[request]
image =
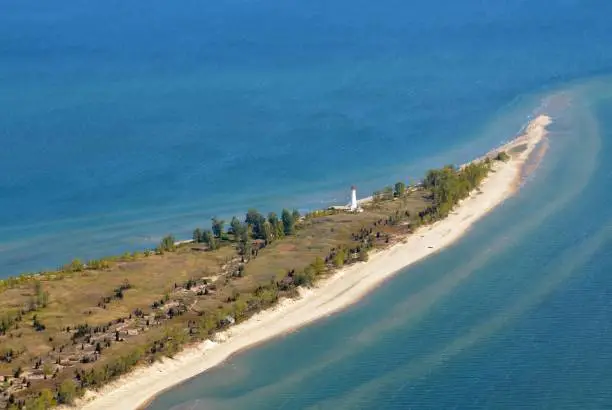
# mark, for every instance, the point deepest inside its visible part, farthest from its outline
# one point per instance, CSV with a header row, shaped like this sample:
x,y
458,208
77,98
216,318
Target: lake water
x,y
124,121
517,314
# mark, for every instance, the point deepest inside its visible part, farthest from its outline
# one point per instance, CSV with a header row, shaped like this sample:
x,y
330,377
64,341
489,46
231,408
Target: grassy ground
x,y
152,304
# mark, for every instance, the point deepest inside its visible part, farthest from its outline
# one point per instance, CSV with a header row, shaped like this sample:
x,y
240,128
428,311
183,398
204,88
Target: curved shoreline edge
x,y
337,292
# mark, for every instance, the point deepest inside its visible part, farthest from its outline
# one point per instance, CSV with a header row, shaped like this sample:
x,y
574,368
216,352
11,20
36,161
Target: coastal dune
x,y
330,295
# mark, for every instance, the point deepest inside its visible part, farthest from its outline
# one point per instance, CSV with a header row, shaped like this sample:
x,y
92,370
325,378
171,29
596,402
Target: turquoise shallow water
x,y
516,314
123,122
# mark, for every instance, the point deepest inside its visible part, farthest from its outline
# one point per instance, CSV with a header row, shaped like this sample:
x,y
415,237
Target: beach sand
x,y
330,295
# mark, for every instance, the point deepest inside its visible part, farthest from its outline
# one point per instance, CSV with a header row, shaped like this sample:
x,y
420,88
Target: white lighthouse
x,y
353,199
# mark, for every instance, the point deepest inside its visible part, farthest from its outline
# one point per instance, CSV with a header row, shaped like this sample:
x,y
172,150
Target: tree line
x,y
255,226
449,185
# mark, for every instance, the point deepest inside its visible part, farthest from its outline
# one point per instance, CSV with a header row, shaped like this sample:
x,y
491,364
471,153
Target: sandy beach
x,y
330,295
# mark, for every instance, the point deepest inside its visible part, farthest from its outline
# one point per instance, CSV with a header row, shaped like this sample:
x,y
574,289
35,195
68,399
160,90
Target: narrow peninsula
x,y
114,332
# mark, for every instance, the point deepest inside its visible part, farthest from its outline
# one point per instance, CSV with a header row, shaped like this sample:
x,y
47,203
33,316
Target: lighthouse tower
x,y
353,198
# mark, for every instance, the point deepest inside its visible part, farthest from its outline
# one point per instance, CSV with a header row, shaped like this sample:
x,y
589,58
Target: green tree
x,y
318,265
255,220
339,259
217,226
235,226
168,243
280,230
44,401
76,266
296,215
42,297
275,225
239,308
47,370
213,243
239,229
252,216
209,238
400,189
67,392
449,185
245,246
197,235
245,235
388,193
206,325
363,255
304,278
273,218
267,232
502,156
288,222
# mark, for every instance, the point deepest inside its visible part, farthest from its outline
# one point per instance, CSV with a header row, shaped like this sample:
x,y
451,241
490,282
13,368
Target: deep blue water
x,y
124,121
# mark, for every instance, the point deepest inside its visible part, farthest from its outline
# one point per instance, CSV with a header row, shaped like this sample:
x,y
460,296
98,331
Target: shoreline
x,y
340,290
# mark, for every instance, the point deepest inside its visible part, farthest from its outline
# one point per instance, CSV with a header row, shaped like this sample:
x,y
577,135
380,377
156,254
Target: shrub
x,y
339,259
502,156
363,255
167,244
67,392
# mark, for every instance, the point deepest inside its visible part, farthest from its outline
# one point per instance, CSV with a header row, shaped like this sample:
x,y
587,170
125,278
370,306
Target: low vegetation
x,y
503,156
90,322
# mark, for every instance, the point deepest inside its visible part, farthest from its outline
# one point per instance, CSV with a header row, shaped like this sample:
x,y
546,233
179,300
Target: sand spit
x,y
332,294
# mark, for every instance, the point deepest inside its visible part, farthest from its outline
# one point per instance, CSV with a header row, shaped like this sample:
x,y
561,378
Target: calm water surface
x,y
123,121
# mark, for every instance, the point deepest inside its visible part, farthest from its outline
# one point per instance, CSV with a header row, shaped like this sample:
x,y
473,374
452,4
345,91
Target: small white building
x,y
353,206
